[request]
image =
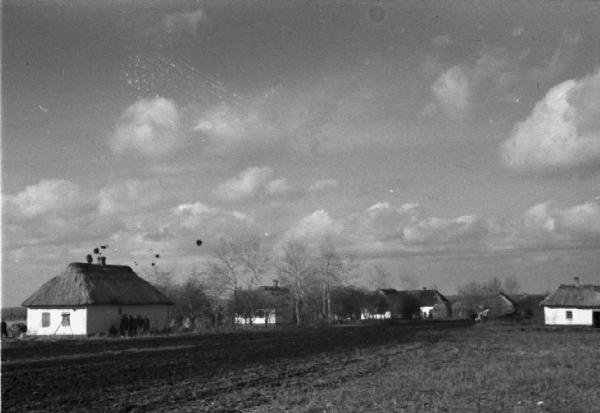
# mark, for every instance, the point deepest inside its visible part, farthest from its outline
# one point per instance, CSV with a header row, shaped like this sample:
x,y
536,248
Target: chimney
x,y
89,259
102,261
576,279
276,283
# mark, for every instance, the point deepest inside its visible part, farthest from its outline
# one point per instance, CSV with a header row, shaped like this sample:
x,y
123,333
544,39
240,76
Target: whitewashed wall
x,y
102,317
270,316
426,311
78,321
94,319
558,316
365,315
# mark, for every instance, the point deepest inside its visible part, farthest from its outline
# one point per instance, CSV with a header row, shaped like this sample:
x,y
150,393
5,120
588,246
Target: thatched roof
x,y
583,296
425,298
93,284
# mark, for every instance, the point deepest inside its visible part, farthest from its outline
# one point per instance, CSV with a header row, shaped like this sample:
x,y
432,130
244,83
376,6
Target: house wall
x,y
78,321
365,315
558,316
102,317
426,311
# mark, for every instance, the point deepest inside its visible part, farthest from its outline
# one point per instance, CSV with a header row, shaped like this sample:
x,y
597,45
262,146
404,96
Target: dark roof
x,y
574,296
426,298
89,284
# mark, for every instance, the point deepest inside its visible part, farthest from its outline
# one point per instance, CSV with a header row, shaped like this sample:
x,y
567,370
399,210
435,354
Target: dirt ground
x,y
158,373
426,367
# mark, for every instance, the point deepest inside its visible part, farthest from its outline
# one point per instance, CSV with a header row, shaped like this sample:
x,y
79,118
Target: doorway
x,y
596,319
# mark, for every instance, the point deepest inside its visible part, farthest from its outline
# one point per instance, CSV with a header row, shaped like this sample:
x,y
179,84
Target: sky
x,y
445,141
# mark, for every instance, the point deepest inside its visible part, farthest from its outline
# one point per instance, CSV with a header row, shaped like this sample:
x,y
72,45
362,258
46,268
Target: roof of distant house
x,y
585,296
426,298
94,284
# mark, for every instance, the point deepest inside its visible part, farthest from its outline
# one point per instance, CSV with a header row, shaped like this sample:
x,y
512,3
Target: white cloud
x,y
561,58
252,182
442,40
577,224
452,90
48,196
323,186
148,127
562,132
433,231
313,229
278,186
187,22
129,196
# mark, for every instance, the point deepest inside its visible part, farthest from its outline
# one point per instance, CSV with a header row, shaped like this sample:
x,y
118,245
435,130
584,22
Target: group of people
x,y
132,326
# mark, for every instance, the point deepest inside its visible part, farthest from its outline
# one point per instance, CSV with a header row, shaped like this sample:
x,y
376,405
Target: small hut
x,y
573,305
93,298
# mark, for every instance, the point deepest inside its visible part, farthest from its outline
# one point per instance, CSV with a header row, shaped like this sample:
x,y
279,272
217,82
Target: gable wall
x,y
558,316
78,321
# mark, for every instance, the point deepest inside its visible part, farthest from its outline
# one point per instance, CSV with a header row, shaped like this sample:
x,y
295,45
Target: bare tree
x,y
381,278
511,285
334,269
237,262
296,268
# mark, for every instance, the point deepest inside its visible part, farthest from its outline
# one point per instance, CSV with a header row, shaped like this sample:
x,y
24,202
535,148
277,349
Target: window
x,y
66,320
569,315
45,319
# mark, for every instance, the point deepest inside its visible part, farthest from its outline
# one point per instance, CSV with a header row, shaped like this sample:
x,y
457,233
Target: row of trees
x,y
319,281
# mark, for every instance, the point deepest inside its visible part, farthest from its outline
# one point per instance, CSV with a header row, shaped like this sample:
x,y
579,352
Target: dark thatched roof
x,y
89,284
425,298
583,296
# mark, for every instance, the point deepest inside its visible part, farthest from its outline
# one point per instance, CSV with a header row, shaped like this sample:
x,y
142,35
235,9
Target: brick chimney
x,y
576,280
276,283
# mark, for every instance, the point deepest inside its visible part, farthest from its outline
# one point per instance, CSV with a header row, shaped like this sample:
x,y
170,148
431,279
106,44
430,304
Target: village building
x,y
573,305
93,298
410,304
266,305
494,305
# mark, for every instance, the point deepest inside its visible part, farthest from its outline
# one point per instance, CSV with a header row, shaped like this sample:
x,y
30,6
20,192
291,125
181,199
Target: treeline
x,y
303,284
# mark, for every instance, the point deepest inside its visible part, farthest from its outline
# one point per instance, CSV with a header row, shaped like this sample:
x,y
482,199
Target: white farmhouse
x,y
573,305
92,298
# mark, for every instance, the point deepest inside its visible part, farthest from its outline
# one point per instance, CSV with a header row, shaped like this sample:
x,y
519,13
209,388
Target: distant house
x,y
266,305
498,305
573,305
409,304
92,298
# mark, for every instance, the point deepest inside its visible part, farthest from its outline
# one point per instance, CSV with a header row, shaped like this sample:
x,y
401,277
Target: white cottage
x,y
92,298
573,305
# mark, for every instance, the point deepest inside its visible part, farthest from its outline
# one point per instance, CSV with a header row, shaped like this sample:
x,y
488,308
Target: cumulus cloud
x,y
186,22
148,127
452,90
562,56
442,40
48,196
129,195
252,182
554,225
323,186
435,231
562,132
313,229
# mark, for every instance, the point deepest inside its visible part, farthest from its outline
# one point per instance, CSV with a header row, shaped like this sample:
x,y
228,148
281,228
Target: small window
x,y
45,319
66,320
569,315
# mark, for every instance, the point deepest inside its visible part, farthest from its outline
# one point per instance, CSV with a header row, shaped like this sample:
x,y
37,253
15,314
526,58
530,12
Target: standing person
x,y
124,326
4,329
131,325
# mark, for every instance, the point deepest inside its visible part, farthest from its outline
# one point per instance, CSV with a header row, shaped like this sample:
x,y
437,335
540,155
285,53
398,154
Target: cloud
x,y
435,231
252,182
313,229
551,225
129,196
562,132
184,22
48,197
452,90
518,31
322,186
442,40
148,127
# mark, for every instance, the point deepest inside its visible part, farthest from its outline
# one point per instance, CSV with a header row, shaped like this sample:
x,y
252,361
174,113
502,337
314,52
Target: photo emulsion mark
x,y
358,206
